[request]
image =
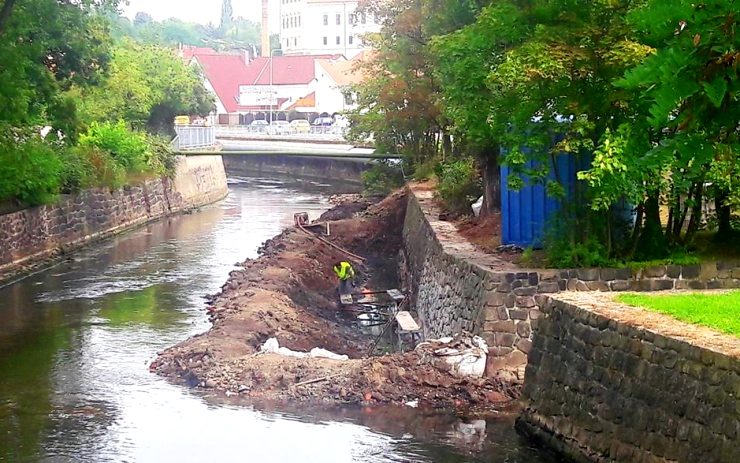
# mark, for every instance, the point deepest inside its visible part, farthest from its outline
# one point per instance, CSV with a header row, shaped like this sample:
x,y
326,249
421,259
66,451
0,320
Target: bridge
x,y
199,140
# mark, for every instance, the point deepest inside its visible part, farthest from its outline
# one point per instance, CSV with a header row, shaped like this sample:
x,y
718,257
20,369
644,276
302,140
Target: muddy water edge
x,y
76,341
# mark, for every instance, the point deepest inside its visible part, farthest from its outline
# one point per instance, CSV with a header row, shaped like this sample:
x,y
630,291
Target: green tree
x,y
227,16
147,87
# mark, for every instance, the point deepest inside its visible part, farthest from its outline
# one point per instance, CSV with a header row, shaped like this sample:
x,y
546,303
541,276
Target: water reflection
x,y
76,341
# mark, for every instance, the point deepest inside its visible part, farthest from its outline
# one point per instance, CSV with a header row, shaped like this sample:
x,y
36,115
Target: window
x,y
326,20
352,19
295,42
299,21
339,19
363,18
348,99
350,39
339,40
326,42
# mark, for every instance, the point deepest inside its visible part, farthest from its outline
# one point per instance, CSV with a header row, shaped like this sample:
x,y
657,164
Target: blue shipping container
x,y
524,213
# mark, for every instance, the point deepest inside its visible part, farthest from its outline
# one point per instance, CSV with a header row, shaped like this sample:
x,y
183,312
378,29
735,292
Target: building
x,y
313,27
281,87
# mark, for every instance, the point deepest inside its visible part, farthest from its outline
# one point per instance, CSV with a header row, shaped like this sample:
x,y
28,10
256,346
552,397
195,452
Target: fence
x,y
193,137
286,132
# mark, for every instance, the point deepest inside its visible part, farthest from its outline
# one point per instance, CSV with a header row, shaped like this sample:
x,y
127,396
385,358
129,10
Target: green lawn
x,y
720,311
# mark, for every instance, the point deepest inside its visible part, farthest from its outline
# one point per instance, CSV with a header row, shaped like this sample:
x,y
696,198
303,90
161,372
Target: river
x,y
76,340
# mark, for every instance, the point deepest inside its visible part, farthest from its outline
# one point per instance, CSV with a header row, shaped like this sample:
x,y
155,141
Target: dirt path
x,y
289,293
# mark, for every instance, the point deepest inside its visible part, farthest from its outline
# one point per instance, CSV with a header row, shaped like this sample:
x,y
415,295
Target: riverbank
x,y
289,293
35,237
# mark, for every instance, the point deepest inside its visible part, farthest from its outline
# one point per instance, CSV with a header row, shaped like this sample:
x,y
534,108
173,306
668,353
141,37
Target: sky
x,y
202,11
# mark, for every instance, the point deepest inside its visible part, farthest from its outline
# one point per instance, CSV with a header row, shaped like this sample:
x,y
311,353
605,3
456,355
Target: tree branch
x,y
5,13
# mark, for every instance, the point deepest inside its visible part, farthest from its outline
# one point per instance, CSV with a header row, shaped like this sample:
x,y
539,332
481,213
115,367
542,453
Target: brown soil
x,y
484,232
289,293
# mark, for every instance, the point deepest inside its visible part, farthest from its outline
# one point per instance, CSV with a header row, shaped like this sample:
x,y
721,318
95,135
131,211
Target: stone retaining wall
x,y
36,234
608,383
321,168
454,286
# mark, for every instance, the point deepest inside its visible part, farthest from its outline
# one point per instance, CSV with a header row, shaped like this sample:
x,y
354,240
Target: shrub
x,y
88,166
129,149
382,178
459,185
30,170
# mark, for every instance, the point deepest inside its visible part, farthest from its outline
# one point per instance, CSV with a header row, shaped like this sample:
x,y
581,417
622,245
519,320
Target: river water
x,y
76,341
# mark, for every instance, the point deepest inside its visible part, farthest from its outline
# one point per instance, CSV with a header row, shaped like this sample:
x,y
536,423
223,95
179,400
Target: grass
x,y
720,311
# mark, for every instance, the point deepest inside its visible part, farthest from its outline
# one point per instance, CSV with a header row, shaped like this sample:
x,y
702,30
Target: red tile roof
x,y
286,70
187,52
225,73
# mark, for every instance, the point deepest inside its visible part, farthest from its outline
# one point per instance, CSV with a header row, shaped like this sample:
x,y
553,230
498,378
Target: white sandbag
x,y
318,352
469,361
477,206
271,346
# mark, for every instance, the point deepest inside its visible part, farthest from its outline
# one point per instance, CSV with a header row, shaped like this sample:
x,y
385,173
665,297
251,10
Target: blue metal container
x,y
525,213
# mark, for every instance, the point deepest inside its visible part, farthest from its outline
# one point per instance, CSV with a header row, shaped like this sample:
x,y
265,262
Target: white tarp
x,y
272,346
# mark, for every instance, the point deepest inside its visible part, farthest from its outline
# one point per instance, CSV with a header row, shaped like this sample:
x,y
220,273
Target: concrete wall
x,y
347,170
610,383
454,286
43,232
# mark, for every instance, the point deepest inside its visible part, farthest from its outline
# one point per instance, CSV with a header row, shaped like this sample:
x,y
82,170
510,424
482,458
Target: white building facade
x,y
312,27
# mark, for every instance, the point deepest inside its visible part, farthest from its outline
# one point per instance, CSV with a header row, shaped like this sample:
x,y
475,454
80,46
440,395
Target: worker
x,y
345,273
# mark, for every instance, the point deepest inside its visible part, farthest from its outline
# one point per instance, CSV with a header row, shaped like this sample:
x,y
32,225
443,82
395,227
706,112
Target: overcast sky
x,y
202,11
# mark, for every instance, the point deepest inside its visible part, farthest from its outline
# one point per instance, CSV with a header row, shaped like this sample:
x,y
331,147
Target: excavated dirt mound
x,y
289,293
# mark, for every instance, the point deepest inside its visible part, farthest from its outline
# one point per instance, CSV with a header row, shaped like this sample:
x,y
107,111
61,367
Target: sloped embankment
x,y
289,293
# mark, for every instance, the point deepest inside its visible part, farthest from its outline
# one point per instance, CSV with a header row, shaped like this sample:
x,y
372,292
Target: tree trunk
x,y
695,212
724,227
653,243
5,14
491,182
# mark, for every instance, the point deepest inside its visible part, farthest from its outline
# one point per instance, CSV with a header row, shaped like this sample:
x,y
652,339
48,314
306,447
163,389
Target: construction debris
x,y
286,301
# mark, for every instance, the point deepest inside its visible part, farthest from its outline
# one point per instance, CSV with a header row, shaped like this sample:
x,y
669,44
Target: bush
x,y
134,152
459,185
88,166
382,178
129,149
30,170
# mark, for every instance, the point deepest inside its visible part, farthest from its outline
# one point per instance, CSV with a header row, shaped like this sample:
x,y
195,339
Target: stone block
x,y
563,285
534,314
681,284
731,283
504,287
501,326
597,286
697,284
533,278
624,273
516,359
518,314
523,329
619,285
661,285
588,274
708,271
491,314
690,272
735,273
510,301
714,284
494,299
608,274
503,313
658,271
504,339
526,291
727,265
524,345
525,302
548,287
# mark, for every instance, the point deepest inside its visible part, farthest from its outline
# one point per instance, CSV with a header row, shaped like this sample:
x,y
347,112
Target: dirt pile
x,y
289,293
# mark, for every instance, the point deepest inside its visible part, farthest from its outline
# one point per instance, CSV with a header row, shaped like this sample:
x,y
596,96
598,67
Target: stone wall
x,y
34,235
453,286
608,383
347,170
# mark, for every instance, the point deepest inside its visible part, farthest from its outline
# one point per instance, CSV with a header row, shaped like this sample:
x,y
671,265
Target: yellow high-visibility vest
x,y
344,271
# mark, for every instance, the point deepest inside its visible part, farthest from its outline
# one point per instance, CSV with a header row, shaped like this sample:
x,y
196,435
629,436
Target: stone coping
x,y
452,242
645,320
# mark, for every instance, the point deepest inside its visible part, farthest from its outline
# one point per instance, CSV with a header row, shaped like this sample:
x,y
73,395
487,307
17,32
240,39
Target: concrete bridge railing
x,y
191,137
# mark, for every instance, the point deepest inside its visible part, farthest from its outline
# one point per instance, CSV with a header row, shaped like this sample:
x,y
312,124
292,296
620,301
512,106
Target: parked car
x,y
323,121
260,125
279,128
300,126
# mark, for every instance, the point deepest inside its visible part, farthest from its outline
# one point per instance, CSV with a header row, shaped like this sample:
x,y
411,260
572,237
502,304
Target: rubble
x,y
287,300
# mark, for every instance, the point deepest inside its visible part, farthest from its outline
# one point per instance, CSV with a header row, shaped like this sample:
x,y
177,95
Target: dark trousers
x,y
345,286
